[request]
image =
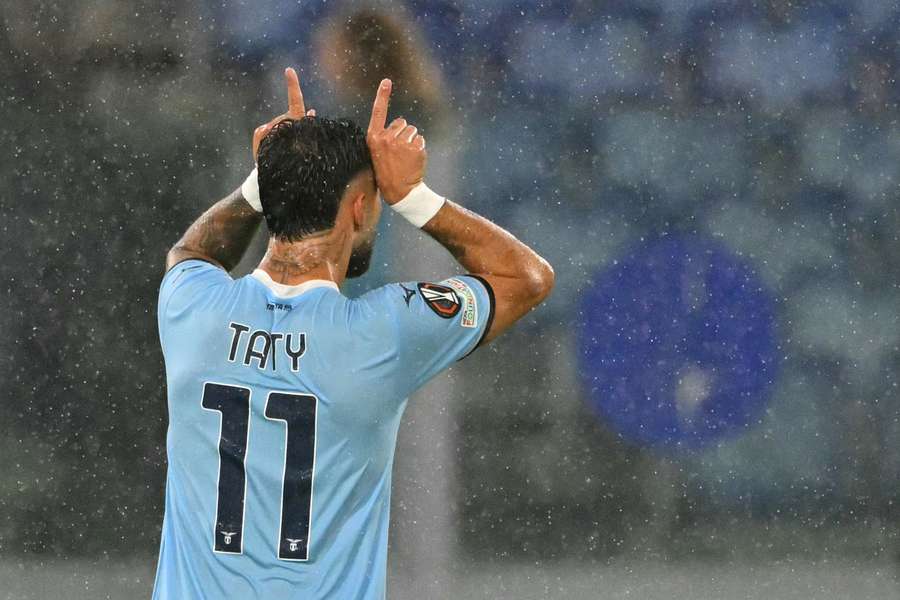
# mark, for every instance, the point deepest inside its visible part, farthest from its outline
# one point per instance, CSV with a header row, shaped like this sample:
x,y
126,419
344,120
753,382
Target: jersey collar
x,y
289,291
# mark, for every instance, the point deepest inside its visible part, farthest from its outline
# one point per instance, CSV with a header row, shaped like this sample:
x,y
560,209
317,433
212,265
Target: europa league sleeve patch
x,y
469,303
441,299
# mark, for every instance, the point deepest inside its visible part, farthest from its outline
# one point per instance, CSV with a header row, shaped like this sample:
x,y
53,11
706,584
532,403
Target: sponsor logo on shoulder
x,y
440,299
469,304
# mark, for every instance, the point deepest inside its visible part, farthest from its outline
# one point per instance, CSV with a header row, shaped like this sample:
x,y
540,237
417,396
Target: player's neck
x,y
319,256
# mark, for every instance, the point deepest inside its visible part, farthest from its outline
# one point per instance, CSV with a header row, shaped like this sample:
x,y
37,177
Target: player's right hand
x,y
398,151
296,109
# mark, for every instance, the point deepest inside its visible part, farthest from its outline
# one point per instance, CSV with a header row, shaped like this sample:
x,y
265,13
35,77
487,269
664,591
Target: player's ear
x,y
359,211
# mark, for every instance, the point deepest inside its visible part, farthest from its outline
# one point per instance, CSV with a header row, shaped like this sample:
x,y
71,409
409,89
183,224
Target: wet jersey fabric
x,y
284,404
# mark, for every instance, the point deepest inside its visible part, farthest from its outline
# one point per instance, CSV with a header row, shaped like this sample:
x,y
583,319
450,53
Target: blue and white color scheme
x,y
284,405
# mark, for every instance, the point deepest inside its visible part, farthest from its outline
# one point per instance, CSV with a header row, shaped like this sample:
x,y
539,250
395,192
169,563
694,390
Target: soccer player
x,y
284,395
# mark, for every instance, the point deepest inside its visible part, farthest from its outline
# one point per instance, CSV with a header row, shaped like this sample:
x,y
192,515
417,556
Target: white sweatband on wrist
x,y
250,191
419,205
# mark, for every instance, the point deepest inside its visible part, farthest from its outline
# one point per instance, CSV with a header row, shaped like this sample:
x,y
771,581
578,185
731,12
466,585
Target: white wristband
x,y
250,191
419,205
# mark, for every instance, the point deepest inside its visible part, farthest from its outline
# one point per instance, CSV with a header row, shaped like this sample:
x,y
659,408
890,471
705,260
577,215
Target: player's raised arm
x,y
519,277
222,234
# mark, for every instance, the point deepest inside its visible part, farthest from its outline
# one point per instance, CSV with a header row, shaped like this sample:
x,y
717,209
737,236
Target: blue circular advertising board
x,y
677,343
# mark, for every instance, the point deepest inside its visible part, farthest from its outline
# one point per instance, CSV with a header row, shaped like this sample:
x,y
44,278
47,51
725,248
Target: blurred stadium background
x,y
767,130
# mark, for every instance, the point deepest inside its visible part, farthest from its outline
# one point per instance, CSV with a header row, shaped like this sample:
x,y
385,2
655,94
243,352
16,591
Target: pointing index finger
x,y
296,109
379,109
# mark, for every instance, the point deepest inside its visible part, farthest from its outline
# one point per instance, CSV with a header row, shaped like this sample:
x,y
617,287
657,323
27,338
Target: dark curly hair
x,y
304,167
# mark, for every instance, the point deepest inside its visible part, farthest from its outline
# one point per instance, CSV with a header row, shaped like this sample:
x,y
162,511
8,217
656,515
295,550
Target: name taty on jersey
x,y
245,346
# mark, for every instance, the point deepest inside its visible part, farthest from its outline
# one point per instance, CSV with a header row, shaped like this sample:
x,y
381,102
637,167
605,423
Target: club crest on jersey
x,y
441,299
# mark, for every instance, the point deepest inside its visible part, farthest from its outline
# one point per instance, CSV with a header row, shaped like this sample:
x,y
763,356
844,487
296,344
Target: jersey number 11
x,y
298,412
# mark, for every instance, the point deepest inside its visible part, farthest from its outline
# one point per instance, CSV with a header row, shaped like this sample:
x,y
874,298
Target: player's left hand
x,y
296,109
398,150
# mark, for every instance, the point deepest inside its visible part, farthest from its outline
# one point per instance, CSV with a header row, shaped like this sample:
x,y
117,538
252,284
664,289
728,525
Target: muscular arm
x,y
221,235
520,278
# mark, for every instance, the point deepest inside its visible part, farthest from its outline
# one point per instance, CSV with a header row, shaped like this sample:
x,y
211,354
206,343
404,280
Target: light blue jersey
x,y
284,405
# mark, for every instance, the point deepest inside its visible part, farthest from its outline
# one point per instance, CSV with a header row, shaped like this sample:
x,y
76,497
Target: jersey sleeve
x,y
186,285
432,325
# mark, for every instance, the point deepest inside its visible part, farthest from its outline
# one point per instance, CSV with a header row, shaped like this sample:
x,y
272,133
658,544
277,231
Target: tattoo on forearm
x,y
223,232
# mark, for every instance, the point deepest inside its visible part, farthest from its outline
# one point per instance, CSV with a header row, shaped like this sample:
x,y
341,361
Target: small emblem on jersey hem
x,y
440,299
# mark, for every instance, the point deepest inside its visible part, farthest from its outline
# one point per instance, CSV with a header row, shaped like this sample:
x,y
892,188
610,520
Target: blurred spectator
x,y
358,47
